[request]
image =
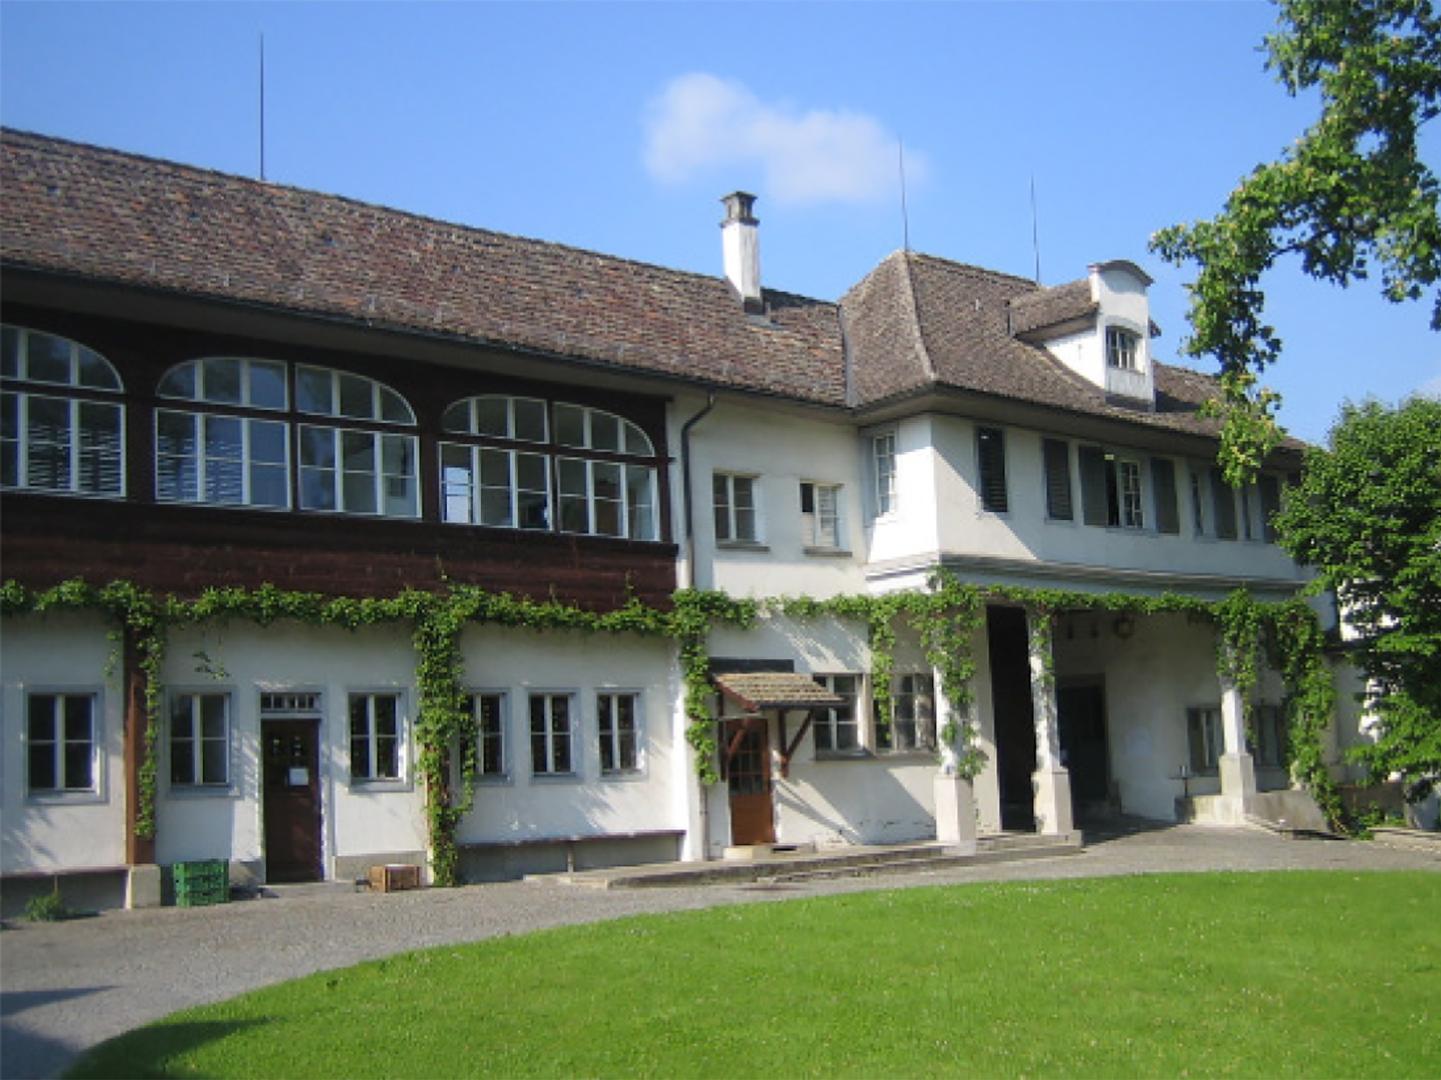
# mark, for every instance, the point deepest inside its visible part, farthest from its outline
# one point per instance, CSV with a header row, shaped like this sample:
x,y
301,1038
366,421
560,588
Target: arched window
x,y
238,450
514,464
61,429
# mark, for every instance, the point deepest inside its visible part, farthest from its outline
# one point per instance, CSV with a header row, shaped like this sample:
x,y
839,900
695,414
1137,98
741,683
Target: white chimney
x,y
741,249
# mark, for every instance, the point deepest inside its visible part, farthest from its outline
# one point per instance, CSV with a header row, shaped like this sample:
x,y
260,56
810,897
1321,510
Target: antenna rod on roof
x,y
1035,232
262,105
905,217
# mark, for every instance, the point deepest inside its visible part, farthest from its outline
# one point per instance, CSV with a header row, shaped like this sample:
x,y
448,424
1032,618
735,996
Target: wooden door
x,y
748,775
292,800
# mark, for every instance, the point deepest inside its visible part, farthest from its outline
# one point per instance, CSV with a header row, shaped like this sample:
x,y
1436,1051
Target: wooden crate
x,y
394,877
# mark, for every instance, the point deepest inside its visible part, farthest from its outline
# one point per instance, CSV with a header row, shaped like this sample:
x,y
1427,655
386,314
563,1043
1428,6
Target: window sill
x,y
907,756
623,776
740,545
185,792
845,755
827,552
65,798
555,778
378,787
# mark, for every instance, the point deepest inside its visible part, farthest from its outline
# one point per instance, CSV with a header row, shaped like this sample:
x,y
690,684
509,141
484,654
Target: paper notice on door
x,y
299,777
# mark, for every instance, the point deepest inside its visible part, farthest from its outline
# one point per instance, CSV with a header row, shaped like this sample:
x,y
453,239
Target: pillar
x,y
1237,768
1051,782
955,794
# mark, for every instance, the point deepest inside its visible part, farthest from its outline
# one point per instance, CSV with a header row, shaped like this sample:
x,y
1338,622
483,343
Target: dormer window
x,y
1122,348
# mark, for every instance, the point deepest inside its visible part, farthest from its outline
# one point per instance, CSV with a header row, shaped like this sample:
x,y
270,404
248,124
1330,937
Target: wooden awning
x,y
756,690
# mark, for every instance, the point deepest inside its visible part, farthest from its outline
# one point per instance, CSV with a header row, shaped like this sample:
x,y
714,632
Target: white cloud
x,y
700,123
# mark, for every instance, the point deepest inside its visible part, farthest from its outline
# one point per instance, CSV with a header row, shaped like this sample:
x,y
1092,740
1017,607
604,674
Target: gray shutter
x,y
1270,505
1223,496
1057,456
1093,485
991,451
1163,484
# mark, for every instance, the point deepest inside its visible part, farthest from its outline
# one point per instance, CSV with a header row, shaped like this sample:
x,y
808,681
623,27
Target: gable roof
x,y
914,323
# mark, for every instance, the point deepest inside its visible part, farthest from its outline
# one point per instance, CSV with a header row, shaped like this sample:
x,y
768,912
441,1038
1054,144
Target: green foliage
x,y
1367,516
47,907
1145,975
1352,190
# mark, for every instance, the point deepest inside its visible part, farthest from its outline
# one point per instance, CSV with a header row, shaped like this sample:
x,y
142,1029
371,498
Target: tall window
x,y
991,466
913,714
199,740
1163,485
883,469
1203,729
1269,491
821,515
550,735
506,473
1111,489
490,720
618,722
61,429
60,740
735,508
837,728
1272,740
1223,500
1057,463
376,737
355,470
1122,347
1198,500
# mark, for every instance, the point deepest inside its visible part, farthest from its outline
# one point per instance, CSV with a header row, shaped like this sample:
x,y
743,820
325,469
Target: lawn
x,y
1294,974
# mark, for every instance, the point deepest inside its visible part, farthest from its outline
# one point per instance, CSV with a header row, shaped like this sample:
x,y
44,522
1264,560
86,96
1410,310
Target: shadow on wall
x,y
888,814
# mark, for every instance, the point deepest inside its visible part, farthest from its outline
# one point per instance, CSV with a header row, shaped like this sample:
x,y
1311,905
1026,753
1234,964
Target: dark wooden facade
x,y
185,548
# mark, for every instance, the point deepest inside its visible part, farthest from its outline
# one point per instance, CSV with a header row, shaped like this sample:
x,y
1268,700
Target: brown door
x,y
292,800
748,774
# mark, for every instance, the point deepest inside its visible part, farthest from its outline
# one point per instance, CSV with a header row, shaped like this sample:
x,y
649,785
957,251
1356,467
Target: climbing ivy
x,y
947,617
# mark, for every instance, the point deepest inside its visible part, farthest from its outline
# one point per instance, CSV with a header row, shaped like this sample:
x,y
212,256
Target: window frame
x,y
572,771
201,786
370,780
812,521
1123,506
1271,746
899,694
501,735
619,770
729,508
1123,348
96,791
476,488
201,460
883,464
1204,733
828,718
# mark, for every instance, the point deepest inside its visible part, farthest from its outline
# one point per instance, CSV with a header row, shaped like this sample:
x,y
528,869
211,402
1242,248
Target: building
x,y
217,383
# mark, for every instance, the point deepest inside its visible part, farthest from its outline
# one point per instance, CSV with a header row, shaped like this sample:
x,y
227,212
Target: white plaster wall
x,y
782,449
1150,679
870,800
524,806
910,529
246,660
71,653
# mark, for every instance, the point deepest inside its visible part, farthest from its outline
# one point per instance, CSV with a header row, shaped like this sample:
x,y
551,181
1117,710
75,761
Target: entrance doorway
x,y
748,778
291,789
1081,718
1009,650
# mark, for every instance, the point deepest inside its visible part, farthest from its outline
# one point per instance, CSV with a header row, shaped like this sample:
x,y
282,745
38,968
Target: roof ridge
x,y
9,134
982,271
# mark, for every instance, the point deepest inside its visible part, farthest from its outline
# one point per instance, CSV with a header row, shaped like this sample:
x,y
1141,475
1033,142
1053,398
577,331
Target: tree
x,y
1367,515
1351,190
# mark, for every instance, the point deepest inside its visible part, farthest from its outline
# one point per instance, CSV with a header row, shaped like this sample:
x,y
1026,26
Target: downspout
x,y
688,515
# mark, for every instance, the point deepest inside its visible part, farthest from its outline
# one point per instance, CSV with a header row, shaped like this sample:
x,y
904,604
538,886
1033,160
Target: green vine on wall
x,y
947,617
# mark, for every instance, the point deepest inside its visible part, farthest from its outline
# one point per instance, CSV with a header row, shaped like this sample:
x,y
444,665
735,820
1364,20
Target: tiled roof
x,y
913,323
1051,307
118,217
775,690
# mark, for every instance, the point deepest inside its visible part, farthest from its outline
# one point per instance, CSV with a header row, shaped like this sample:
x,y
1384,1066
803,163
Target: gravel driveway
x,y
67,986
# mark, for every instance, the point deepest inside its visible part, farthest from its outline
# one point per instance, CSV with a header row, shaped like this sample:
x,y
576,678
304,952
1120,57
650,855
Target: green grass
x,y
1299,974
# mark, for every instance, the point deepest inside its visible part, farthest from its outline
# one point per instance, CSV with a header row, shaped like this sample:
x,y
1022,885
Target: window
x,y
358,472
1269,489
504,486
618,717
883,464
1057,463
913,715
221,460
1203,728
837,729
375,737
1223,500
69,441
550,735
1244,498
1163,489
1198,501
1110,489
991,459
61,744
1122,347
199,740
490,722
821,515
1271,746
736,519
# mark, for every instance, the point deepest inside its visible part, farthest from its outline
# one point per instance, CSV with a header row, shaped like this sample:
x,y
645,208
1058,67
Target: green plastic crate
x,y
201,883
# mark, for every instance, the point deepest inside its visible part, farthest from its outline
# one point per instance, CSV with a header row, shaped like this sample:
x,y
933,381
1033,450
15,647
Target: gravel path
x,y
67,986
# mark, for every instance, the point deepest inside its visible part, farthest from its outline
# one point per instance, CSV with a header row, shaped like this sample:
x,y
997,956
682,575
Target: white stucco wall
x,y
61,653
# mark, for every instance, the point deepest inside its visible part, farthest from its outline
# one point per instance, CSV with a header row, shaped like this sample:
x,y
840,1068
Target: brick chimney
x,y
741,250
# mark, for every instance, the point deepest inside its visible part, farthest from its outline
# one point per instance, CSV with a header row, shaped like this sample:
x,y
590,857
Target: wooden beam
x,y
791,748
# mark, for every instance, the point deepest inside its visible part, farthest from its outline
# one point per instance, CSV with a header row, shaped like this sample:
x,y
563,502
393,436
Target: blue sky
x,y
617,127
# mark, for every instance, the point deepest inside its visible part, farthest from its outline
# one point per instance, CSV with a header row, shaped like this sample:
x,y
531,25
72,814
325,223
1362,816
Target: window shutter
x,y
1057,456
1093,485
991,444
1223,495
1163,483
1270,505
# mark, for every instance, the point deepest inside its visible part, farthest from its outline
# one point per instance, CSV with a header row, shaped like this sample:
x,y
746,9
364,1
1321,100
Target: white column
x,y
954,793
1237,768
1051,782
